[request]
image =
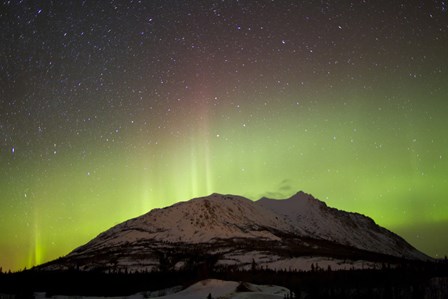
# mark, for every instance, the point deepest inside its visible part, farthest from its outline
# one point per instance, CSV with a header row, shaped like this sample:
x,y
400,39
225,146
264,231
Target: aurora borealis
x,y
111,108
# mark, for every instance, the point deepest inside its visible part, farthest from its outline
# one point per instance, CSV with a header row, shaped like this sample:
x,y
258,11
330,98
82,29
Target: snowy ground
x,y
263,260
216,288
305,264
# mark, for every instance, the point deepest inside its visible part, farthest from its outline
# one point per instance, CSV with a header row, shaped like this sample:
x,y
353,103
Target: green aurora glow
x,y
374,144
389,166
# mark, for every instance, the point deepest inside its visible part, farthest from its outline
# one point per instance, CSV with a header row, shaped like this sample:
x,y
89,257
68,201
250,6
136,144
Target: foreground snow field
x,y
216,288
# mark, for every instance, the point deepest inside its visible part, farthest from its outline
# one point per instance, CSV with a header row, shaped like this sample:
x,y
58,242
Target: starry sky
x,y
111,108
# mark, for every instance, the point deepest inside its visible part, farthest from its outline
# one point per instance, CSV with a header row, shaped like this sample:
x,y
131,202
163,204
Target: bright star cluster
x,y
111,108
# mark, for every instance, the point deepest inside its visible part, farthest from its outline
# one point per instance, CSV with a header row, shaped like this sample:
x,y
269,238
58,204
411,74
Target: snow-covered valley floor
x,y
202,289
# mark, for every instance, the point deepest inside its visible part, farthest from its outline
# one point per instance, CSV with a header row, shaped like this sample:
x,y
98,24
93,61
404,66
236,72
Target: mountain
x,y
233,231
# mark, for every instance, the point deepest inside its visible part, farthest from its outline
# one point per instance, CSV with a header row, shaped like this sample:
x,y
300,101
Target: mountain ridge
x,y
231,228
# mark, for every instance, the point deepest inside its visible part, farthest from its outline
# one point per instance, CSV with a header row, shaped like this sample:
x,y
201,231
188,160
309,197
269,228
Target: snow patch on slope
x,y
199,220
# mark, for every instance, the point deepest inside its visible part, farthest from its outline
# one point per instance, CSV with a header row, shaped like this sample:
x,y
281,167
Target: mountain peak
x,y
302,196
298,201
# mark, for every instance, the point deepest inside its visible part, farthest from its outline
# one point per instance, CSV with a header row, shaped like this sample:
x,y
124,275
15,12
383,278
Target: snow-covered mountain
x,y
233,231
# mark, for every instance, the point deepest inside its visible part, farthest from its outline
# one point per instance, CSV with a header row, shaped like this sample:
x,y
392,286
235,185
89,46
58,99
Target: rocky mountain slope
x,y
233,231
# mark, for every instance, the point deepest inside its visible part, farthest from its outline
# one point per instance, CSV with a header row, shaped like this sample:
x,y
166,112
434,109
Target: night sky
x,y
111,108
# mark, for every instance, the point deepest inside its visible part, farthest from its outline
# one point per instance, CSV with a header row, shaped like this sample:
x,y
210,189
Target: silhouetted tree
x,y
254,265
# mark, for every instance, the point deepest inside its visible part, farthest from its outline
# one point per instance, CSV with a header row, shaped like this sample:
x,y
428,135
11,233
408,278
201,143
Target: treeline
x,y
409,280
